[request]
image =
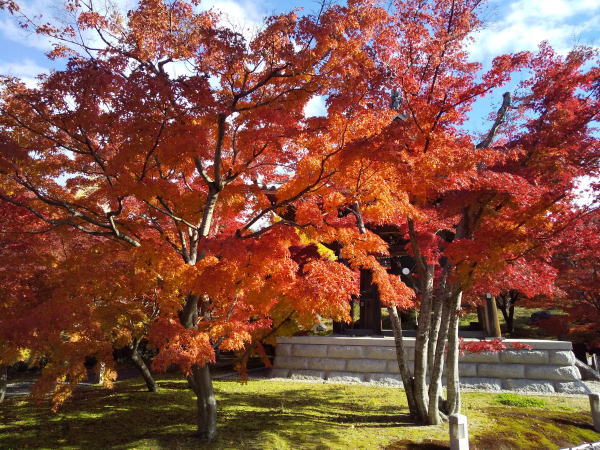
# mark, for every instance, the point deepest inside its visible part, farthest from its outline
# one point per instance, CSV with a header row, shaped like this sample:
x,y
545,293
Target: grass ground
x,y
285,415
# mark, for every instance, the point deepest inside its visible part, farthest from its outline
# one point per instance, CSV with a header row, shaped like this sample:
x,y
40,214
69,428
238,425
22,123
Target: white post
x,y
595,406
459,432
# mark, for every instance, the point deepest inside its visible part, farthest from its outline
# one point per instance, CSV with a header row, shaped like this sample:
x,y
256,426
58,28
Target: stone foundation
x,y
547,367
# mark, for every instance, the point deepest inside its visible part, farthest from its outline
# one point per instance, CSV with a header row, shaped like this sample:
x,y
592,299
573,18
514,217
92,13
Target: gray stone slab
x,y
541,344
536,344
467,369
562,358
384,378
392,367
501,371
307,374
326,364
309,350
485,357
290,362
484,384
531,386
345,351
560,373
464,370
524,357
571,387
345,377
344,340
279,373
378,352
283,349
366,365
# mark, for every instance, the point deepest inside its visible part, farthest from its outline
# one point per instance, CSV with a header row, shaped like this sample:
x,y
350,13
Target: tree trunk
x,y
201,383
3,381
439,299
407,379
421,345
510,322
452,357
437,367
506,303
139,363
434,329
200,379
502,302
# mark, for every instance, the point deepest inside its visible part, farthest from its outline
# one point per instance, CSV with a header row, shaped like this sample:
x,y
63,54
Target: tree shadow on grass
x,y
427,445
129,417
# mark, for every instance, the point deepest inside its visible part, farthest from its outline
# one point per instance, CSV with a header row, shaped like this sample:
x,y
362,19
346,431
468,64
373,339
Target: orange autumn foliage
x,y
175,160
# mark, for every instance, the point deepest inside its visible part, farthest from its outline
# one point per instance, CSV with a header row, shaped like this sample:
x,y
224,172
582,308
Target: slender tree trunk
x,y
3,381
501,304
510,322
434,329
452,356
99,372
506,304
200,381
437,367
421,345
407,379
209,210
139,363
439,301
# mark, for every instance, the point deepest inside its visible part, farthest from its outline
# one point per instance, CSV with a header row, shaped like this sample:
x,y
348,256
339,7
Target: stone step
x,y
547,367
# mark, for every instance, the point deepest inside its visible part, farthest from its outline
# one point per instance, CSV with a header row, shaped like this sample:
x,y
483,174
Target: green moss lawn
x,y
285,415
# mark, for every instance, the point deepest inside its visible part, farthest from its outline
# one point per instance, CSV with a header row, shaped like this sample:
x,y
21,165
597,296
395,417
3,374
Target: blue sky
x,y
512,25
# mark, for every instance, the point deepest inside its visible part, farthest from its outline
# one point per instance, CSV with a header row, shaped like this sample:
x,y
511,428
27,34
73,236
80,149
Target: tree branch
x,y
500,116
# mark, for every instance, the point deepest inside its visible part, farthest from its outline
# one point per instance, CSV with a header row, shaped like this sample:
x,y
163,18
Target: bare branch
x,y
355,210
169,212
201,171
415,245
280,222
500,116
152,150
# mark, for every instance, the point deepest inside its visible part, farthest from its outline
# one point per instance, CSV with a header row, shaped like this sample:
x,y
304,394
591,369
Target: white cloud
x,y
26,70
523,24
50,11
11,31
315,107
41,11
244,16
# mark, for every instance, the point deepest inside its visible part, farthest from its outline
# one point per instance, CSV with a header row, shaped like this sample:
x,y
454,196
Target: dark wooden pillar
x,y
491,315
482,319
370,307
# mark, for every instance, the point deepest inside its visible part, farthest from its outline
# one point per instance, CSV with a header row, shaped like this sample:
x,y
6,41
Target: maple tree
x,y
577,295
521,282
180,177
58,312
162,175
470,207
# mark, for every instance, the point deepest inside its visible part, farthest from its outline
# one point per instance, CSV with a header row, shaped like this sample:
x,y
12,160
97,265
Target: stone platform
x,y
548,367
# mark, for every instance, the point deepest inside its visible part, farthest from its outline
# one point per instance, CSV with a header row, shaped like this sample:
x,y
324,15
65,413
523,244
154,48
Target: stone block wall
x,y
547,367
